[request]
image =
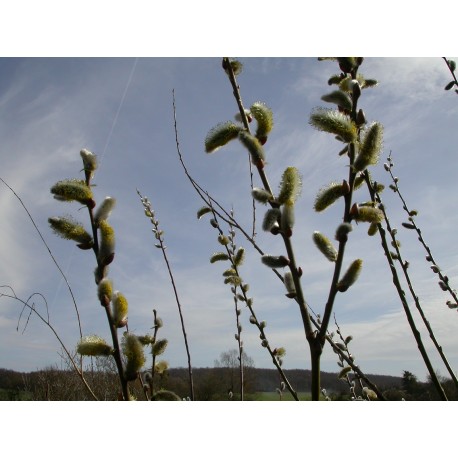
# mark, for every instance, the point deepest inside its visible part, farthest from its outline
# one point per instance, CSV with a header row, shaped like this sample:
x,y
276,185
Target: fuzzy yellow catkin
x,y
270,219
67,228
350,276
107,242
290,186
104,209
334,122
289,283
327,196
133,351
254,147
105,291
287,217
89,161
325,246
369,148
220,135
159,347
161,366
264,117
72,190
93,346
339,98
368,215
120,309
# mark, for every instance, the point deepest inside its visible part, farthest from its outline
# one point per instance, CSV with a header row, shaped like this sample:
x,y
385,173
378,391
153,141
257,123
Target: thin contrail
x,y
115,120
107,142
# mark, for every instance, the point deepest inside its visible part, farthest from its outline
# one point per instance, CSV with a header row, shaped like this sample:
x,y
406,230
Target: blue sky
x,y
121,109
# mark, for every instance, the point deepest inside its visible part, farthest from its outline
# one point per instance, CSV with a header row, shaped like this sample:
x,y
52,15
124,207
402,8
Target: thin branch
x,y
49,251
53,330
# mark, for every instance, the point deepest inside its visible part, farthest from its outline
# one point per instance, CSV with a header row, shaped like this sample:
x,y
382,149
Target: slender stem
x,y
111,324
50,254
405,305
53,330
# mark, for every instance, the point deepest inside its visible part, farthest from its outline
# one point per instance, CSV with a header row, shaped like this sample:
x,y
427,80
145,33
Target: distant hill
x,y
210,383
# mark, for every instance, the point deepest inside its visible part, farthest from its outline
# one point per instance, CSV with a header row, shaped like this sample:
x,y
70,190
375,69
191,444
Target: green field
x,y
273,396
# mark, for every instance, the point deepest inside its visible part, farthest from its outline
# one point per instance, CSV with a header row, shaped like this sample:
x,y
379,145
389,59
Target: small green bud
x,y
220,135
328,195
350,276
325,246
253,145
334,122
342,232
73,190
264,117
236,66
93,346
274,262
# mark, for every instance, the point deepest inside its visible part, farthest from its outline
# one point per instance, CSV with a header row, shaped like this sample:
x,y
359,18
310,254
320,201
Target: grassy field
x,y
272,396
